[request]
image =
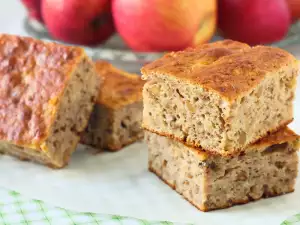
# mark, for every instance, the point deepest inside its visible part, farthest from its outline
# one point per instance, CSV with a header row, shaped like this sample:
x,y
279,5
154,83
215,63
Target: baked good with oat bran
x,y
265,169
117,116
47,94
220,96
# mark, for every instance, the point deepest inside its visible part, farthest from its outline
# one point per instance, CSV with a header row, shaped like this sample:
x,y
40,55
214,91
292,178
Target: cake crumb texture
x,y
117,116
216,182
244,94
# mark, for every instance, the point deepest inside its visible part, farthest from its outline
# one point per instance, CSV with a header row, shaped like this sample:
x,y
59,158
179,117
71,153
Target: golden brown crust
x,y
228,68
280,135
284,134
203,208
33,75
118,88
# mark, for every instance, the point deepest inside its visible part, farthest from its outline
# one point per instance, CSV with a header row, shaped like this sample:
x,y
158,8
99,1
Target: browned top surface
x,y
283,135
228,67
33,75
118,88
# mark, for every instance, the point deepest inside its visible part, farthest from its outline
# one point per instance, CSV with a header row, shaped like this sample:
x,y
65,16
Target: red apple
x,y
162,25
34,9
87,22
294,7
254,21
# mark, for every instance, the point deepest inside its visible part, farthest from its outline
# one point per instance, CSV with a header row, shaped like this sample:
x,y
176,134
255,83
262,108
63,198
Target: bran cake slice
x,y
47,94
117,116
265,169
220,96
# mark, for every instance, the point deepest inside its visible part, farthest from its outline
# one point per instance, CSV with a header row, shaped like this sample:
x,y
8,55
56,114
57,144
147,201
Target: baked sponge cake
x,y
265,169
47,92
117,116
221,96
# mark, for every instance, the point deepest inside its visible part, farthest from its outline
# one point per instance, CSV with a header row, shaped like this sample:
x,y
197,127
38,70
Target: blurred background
x,y
130,33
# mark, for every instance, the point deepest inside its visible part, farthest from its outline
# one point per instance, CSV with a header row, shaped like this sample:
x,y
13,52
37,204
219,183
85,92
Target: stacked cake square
x,y
215,118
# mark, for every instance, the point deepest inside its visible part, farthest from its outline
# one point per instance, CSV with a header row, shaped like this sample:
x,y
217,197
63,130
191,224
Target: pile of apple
x,y
162,25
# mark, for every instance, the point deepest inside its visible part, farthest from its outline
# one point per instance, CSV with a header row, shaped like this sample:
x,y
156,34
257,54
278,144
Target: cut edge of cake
x,y
112,130
283,146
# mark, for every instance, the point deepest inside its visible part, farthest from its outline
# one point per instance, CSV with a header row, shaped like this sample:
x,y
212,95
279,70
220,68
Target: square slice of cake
x,y
265,169
47,93
221,96
117,116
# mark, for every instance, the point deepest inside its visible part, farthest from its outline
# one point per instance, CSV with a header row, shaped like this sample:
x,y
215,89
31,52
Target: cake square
x,y
265,169
220,96
117,116
47,92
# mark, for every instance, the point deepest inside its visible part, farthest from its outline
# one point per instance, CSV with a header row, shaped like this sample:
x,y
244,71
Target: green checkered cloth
x,y
16,209
295,220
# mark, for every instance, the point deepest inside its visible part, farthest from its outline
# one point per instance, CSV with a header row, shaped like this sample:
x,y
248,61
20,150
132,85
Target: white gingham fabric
x,y
16,209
